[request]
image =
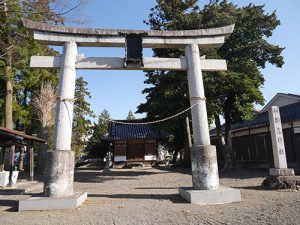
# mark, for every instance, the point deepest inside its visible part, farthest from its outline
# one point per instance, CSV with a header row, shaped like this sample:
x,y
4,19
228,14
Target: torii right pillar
x,y
205,176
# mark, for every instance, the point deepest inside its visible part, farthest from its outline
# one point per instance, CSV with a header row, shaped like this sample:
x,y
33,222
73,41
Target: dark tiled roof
x,y
288,113
134,131
213,131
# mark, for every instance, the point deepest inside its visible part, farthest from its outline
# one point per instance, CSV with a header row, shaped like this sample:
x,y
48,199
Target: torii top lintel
x,y
58,35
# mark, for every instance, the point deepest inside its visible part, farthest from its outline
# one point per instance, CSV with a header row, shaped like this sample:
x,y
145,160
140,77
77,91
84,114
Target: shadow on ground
x,y
175,198
245,174
235,174
182,170
97,177
156,188
94,174
11,205
256,188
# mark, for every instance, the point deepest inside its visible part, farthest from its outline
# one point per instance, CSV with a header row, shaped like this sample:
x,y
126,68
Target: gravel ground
x,y
150,196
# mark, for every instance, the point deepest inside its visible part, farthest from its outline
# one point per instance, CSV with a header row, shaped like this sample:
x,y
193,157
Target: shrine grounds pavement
x,y
150,196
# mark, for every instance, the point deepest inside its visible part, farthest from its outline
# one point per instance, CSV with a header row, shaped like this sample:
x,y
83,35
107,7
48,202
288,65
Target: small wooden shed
x,y
10,139
134,143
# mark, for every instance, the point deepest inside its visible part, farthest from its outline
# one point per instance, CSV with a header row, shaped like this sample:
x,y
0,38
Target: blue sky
x,y
120,91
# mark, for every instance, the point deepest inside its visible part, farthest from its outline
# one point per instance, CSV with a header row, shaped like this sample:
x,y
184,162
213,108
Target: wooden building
x,y
10,140
134,144
281,99
251,140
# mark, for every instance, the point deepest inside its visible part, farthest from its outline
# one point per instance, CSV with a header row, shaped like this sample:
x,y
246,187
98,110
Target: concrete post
x,y
31,163
59,174
203,155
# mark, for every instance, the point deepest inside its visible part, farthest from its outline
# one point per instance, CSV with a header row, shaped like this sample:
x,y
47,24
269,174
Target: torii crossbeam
x,y
60,172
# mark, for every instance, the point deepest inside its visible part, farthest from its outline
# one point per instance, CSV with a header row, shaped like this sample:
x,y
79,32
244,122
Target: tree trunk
x,y
175,156
9,80
21,159
188,144
43,148
227,147
220,138
9,101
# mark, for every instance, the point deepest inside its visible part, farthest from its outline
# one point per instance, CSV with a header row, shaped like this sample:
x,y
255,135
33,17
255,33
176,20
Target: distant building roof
x,y
134,131
288,113
288,96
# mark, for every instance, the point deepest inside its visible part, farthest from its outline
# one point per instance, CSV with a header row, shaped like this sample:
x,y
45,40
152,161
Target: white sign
x,y
4,175
150,157
296,130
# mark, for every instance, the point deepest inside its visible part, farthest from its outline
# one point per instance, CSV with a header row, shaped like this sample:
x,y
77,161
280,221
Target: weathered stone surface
x,y
282,182
281,172
224,31
279,154
204,167
58,35
59,174
117,63
197,96
65,99
51,38
45,203
221,195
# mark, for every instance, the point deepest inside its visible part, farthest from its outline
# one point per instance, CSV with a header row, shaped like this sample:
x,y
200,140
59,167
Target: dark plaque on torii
x,y
134,49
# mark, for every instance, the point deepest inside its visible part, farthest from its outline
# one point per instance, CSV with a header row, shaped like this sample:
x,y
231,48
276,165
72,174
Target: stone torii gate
x,y
60,163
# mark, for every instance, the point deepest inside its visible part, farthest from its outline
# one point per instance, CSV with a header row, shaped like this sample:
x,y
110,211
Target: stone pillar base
x,y
221,195
56,203
281,172
204,167
59,173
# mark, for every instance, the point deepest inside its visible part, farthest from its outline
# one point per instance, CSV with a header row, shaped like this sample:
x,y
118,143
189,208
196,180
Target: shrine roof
x,y
134,131
288,113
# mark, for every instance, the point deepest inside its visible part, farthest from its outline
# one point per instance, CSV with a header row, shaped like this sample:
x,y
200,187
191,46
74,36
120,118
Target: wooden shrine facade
x,y
134,144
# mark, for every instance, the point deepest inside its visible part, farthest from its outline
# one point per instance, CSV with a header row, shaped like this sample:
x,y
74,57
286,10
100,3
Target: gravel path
x,y
150,196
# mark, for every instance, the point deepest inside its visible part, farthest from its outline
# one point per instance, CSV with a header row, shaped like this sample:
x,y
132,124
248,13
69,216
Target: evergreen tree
x,y
130,116
10,40
231,93
97,145
16,47
82,113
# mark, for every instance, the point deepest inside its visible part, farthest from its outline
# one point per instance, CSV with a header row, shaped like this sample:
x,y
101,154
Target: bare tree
x,y
54,11
44,103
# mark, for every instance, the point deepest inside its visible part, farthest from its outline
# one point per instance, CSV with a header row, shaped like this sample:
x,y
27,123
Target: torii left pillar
x,y
59,173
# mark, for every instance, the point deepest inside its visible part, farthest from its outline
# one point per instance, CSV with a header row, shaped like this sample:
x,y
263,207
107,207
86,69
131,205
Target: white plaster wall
x,y
150,157
281,101
120,158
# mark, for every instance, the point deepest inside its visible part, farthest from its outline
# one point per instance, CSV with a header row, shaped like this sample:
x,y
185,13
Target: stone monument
x,y
280,163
